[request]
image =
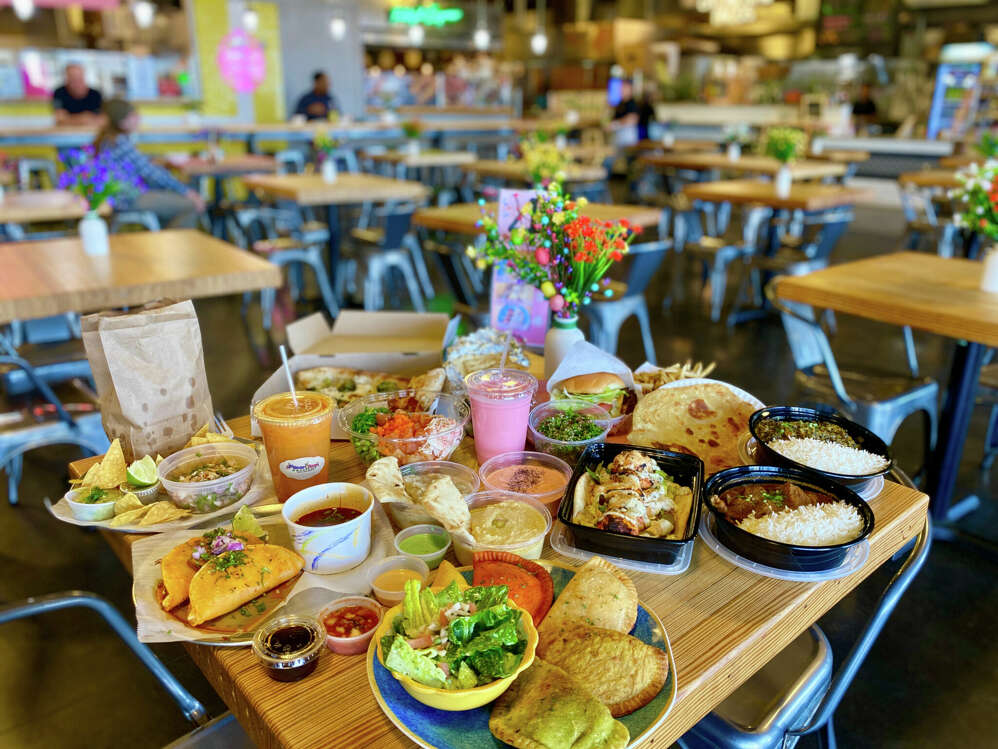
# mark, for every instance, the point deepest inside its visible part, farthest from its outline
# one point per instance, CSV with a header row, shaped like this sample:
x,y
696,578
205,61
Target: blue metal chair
x,y
33,173
878,401
134,220
86,431
795,693
192,709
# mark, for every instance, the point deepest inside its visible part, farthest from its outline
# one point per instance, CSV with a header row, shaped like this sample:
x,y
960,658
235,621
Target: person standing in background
x,y
646,116
174,203
864,110
317,103
625,116
75,103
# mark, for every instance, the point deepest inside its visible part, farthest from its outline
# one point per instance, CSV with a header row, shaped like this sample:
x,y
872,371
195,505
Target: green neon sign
x,y
425,15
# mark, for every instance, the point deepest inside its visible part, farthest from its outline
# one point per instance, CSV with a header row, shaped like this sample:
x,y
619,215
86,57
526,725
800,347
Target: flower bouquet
x,y
324,145
412,129
558,250
976,199
545,161
96,178
988,146
785,144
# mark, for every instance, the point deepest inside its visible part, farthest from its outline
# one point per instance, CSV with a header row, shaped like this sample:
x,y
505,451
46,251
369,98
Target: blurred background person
x,y
864,111
625,116
317,103
174,203
75,103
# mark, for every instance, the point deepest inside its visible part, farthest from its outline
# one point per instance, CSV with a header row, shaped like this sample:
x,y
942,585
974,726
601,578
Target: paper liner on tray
x,y
156,625
261,491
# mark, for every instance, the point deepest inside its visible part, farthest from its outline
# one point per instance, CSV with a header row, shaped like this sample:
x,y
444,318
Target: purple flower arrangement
x,y
96,177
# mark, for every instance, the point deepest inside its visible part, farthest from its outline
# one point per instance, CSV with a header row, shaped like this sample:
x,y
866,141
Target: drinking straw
x,y
505,353
287,373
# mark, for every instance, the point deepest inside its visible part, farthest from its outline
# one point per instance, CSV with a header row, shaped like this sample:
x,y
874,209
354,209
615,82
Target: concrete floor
x,y
929,681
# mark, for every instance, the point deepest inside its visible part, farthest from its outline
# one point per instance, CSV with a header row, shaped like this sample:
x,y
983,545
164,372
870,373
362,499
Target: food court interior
x,y
753,171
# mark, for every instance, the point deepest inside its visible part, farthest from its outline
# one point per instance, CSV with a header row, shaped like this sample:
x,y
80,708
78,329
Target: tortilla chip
x,y
385,480
621,671
203,437
446,574
159,458
131,517
113,468
127,503
90,477
163,512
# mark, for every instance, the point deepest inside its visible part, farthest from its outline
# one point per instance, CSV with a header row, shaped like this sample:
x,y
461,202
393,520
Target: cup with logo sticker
x,y
296,435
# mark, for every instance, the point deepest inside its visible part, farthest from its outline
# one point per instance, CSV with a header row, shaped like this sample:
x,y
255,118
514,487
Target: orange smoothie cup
x,y
296,438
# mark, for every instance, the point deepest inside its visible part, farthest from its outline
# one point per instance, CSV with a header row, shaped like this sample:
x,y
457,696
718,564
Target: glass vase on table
x,y
561,336
93,234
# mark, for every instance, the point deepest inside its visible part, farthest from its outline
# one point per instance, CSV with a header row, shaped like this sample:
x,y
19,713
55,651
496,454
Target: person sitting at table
x,y
317,103
174,203
625,116
864,111
75,103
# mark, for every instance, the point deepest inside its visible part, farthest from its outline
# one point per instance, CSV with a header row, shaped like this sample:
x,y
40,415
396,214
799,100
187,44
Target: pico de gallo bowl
x,y
410,425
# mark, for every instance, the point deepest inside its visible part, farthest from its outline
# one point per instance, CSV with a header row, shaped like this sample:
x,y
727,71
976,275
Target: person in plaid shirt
x,y
173,202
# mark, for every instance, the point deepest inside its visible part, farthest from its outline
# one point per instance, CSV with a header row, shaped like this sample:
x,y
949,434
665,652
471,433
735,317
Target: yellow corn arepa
x,y
599,595
621,671
178,571
215,592
546,708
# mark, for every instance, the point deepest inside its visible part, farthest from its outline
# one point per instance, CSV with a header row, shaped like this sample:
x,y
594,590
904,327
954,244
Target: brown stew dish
x,y
762,499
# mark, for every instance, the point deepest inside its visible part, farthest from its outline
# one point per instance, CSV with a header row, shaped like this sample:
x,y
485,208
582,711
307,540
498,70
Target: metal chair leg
x,y
325,290
641,312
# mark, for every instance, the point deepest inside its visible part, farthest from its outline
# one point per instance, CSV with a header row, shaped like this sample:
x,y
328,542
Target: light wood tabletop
x,y
843,156
930,178
724,623
515,170
677,146
747,164
229,166
53,276
804,196
27,206
425,157
348,189
962,160
928,292
462,218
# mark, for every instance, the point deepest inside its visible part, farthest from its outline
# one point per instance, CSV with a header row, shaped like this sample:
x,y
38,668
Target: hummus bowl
x,y
504,521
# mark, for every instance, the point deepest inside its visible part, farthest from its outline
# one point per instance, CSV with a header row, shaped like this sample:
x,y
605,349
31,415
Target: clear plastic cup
x,y
500,406
296,438
528,546
391,596
433,558
539,475
350,645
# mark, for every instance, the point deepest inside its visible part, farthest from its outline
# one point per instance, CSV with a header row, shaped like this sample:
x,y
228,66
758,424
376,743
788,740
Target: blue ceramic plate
x,y
469,729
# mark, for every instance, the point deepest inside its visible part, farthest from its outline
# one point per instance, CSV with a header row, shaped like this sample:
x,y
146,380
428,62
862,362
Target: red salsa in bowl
x,y
350,624
326,516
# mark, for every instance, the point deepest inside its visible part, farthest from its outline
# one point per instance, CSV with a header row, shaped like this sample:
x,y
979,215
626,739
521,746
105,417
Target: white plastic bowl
x,y
331,548
85,511
391,597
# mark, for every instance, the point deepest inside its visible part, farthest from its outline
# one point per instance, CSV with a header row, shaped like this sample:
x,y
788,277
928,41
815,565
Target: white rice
x,y
808,525
829,456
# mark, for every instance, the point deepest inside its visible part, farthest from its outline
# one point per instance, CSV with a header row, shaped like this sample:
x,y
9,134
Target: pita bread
x,y
599,595
545,708
704,419
444,502
385,479
621,671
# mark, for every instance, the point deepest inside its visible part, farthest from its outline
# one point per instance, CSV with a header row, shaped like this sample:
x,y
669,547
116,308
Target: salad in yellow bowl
x,y
456,649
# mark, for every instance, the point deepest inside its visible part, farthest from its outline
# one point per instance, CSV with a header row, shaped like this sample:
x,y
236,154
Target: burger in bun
x,y
603,389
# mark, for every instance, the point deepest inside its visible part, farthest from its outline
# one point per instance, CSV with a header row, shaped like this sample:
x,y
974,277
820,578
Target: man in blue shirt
x,y
317,103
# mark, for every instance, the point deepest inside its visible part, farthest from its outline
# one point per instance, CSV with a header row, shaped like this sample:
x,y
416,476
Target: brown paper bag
x,y
148,365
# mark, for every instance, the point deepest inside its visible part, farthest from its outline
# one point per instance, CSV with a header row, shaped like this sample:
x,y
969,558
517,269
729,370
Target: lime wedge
x,y
244,521
142,472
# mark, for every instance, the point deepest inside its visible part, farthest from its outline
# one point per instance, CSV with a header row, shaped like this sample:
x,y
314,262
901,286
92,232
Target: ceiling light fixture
x,y
144,12
416,34
338,28
251,20
539,41
730,12
481,39
23,9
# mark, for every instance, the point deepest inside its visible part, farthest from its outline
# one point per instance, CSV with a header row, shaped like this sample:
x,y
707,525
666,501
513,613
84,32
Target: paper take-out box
x,y
401,343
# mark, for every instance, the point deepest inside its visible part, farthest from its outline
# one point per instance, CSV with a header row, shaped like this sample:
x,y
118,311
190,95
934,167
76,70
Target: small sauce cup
x,y
391,596
359,643
288,647
432,558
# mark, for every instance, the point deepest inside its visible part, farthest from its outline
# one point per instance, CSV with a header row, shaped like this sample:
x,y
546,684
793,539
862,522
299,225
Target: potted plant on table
x,y
545,162
976,210
784,144
412,130
563,253
98,180
325,147
735,137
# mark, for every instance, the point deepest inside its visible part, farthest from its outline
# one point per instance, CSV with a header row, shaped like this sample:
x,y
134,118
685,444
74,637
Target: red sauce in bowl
x,y
350,621
328,516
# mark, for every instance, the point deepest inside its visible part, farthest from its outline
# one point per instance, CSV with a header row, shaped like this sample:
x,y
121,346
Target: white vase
x,y
989,276
668,140
561,141
328,169
412,147
734,151
561,336
93,234
784,180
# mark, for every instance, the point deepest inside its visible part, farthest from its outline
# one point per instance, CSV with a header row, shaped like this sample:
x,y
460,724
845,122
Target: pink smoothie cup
x,y
500,406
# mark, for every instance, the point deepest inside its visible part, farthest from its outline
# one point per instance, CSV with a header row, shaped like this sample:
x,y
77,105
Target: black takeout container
x,y
773,553
686,470
866,439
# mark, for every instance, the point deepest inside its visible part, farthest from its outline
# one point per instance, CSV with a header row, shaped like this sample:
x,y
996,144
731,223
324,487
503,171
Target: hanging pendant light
x,y
416,34
481,39
251,20
144,13
23,9
338,28
539,41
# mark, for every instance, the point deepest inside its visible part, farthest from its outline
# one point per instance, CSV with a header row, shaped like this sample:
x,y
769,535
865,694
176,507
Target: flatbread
x,y
443,501
705,419
385,480
178,571
546,708
621,671
599,595
213,593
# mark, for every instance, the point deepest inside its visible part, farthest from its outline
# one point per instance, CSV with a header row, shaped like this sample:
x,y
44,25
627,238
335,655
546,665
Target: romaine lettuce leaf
x,y
494,664
419,608
447,596
462,629
466,677
484,596
505,635
402,659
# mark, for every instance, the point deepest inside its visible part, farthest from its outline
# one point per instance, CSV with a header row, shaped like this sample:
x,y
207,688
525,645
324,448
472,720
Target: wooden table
x,y
515,170
230,166
425,157
53,276
965,159
747,164
28,206
843,156
927,292
803,196
462,218
942,179
349,189
677,146
724,623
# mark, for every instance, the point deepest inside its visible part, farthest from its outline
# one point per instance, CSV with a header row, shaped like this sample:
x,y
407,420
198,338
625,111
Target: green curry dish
x,y
772,430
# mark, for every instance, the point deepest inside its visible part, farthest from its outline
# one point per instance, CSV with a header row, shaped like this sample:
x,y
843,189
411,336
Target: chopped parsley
x,y
96,495
227,560
346,386
774,498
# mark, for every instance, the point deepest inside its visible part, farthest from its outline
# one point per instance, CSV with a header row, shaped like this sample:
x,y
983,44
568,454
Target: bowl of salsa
x,y
205,478
330,526
350,623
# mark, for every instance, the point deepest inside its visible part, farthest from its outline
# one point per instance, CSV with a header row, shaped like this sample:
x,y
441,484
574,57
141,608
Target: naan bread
x,y
705,420
545,708
385,479
444,502
178,571
214,593
433,380
599,595
621,671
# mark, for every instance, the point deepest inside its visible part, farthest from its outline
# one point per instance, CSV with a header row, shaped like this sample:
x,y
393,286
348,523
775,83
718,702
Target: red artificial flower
x,y
616,256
